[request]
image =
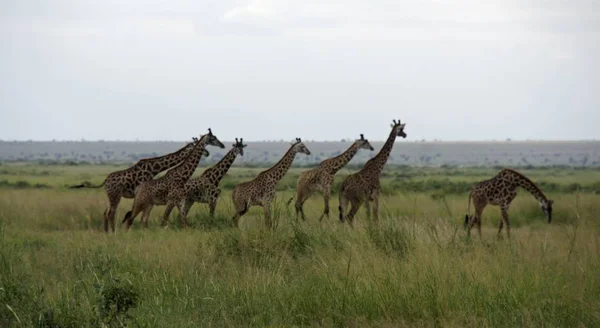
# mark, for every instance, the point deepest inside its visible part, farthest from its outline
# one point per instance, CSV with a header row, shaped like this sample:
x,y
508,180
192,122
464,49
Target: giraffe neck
x,y
185,170
525,183
158,164
336,163
375,165
214,174
277,171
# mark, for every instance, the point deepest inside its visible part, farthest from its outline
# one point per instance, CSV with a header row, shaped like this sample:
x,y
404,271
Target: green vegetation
x,y
415,268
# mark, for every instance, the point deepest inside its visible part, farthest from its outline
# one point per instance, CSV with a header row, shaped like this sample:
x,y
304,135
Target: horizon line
x,y
419,140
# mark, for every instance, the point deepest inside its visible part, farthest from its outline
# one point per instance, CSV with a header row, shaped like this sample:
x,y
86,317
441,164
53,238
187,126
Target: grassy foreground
x,y
415,268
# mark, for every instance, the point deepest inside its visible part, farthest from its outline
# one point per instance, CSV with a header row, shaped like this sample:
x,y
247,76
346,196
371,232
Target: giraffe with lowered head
x,y
261,190
158,191
124,182
500,191
320,179
364,186
205,188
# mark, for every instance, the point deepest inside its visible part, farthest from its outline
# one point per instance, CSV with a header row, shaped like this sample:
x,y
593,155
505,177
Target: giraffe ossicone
x,y
123,183
320,179
261,190
364,186
160,191
205,189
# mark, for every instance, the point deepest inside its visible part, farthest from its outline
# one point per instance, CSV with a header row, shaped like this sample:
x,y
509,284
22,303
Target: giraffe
x,y
500,191
364,185
261,190
157,191
124,182
320,179
204,189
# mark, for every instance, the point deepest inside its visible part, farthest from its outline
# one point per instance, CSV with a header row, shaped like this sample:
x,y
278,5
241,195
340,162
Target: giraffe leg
x,y
144,221
478,214
236,219
239,214
475,219
470,226
146,216
183,211
301,197
212,204
368,209
326,195
131,215
105,216
267,209
342,207
168,209
472,222
376,207
111,212
299,205
354,207
504,210
300,210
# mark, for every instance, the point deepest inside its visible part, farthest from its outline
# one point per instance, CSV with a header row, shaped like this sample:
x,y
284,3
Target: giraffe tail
x,y
289,201
127,216
87,184
468,210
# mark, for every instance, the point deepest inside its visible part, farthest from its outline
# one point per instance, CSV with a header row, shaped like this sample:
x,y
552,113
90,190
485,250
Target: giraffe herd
x,y
177,189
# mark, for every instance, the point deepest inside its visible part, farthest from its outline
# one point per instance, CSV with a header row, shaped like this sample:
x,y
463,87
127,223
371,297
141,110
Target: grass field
x,y
416,268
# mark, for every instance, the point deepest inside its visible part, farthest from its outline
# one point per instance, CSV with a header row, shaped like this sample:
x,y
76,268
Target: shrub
x,y
117,297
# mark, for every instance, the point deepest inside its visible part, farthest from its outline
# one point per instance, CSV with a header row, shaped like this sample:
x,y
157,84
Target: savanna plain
x,y
414,268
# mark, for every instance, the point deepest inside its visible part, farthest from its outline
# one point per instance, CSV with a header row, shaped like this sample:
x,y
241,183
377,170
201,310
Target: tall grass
x,y
413,268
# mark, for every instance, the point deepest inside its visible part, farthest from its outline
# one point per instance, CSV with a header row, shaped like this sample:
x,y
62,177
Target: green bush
x,y
117,297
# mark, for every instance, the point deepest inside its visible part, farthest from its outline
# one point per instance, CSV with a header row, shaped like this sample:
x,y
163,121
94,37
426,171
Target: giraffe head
x,y
363,143
547,209
399,129
213,140
205,152
300,147
238,146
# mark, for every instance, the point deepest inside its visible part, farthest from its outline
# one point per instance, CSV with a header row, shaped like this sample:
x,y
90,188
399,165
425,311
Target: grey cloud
x,y
164,70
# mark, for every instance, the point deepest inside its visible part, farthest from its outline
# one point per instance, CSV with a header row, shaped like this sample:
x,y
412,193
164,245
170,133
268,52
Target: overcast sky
x,y
316,69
